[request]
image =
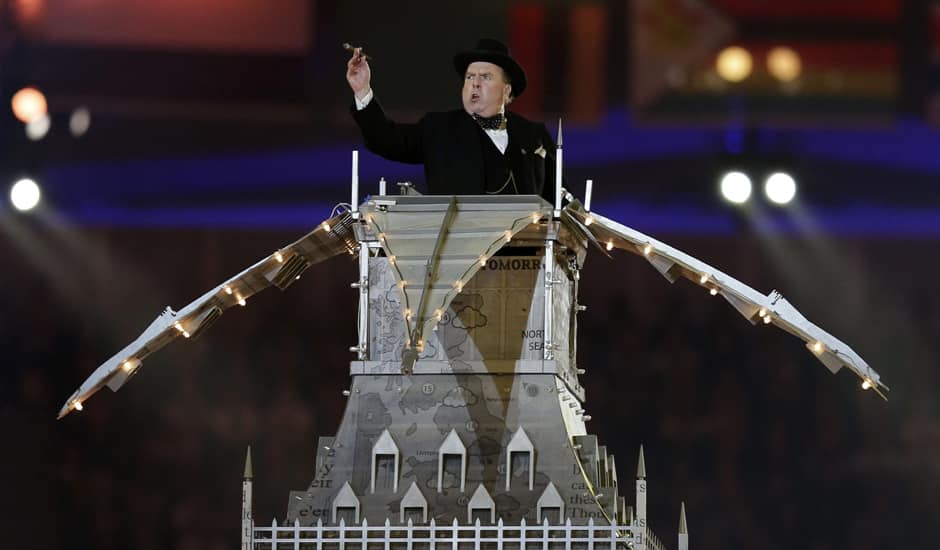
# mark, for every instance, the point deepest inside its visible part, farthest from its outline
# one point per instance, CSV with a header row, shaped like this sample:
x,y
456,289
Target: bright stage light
x,y
80,121
28,104
28,12
25,195
37,128
780,188
784,64
736,187
734,64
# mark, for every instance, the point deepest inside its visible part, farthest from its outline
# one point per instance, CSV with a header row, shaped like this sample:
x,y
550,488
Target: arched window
x,y
346,505
414,506
385,460
452,463
481,506
550,505
520,459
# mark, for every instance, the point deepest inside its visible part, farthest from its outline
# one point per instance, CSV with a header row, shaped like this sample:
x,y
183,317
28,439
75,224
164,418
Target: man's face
x,y
485,89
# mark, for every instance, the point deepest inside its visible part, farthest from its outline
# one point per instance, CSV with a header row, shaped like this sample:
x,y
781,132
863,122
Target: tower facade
x,y
491,419
465,406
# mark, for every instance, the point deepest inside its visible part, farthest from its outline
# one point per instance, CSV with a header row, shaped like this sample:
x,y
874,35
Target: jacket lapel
x,y
472,172
522,146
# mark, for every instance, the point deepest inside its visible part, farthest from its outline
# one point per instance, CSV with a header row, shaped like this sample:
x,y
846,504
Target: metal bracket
x,y
410,355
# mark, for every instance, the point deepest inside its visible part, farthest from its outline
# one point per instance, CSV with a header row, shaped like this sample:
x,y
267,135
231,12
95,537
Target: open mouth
x,y
474,97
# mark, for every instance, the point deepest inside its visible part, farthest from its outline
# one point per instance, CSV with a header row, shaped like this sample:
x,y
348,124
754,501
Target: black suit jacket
x,y
450,147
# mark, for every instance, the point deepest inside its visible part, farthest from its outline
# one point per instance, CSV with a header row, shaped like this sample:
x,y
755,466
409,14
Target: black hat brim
x,y
513,70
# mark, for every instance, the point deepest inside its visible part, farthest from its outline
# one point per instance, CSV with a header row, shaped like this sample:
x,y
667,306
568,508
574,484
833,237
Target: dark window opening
x,y
384,472
453,472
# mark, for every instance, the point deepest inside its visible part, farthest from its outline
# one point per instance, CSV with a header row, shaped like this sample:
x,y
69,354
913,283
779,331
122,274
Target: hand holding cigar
x,y
357,51
358,72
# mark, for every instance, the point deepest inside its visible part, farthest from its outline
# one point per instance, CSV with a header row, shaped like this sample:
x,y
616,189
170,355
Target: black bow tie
x,y
494,122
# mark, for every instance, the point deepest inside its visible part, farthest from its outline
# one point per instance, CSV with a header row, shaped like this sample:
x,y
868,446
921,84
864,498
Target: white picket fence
x,y
453,537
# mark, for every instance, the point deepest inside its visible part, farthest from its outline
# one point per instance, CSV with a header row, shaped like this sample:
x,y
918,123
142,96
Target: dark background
x,y
219,134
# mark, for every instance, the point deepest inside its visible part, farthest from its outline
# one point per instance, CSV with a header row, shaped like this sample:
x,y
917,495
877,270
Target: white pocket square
x,y
540,151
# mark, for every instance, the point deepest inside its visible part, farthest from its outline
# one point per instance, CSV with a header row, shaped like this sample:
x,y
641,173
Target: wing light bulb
x,y
180,328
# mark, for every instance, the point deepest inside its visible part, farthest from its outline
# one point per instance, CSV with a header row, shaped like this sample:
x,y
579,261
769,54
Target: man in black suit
x,y
480,149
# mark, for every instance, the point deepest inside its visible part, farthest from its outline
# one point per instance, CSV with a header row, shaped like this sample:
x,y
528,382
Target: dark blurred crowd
x,y
765,446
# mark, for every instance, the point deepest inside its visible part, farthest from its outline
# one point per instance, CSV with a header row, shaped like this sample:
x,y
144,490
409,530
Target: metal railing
x,y
452,537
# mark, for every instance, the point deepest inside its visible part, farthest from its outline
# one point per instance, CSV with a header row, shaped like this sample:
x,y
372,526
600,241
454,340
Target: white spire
x,y
248,524
641,466
683,529
248,471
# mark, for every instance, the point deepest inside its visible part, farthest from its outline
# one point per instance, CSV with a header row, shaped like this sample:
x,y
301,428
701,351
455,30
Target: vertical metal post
x,y
363,347
548,352
354,198
556,213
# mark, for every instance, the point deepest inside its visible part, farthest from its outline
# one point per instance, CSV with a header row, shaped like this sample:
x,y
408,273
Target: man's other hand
x,y
358,73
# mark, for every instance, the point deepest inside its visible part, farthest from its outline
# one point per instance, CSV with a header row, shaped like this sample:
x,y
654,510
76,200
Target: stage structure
x,y
466,420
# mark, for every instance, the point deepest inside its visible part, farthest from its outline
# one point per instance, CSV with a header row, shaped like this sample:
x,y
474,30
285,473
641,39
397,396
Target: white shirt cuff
x,y
364,102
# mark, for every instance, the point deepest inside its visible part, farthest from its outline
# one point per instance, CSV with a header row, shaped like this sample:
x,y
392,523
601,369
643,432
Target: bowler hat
x,y
495,52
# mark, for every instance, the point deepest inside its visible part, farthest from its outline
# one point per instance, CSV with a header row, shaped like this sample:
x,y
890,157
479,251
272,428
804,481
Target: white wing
x,y
757,308
330,238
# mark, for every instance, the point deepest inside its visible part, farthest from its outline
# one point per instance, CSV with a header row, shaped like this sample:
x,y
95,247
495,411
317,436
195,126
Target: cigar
x,y
349,47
